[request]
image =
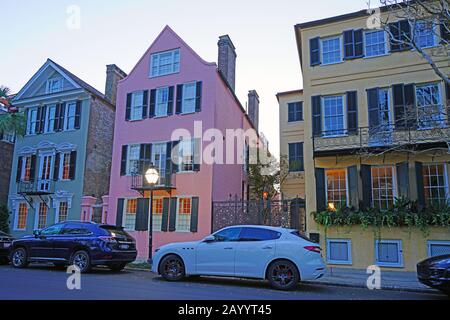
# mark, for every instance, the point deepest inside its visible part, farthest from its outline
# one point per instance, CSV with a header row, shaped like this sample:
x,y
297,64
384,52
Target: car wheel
x,y
19,258
117,267
81,260
283,275
172,268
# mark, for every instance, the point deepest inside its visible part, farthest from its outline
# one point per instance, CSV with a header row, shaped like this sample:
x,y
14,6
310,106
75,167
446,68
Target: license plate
x,y
124,246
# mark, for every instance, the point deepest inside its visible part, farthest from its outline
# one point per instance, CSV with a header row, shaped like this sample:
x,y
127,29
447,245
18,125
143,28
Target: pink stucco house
x,y
170,88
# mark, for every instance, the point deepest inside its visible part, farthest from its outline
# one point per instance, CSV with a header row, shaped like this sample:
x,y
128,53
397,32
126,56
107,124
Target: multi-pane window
x,y
189,97
296,163
63,210
333,115
424,34
26,169
42,216
130,214
375,43
383,187
159,159
65,166
157,213
295,111
50,118
32,121
54,85
165,63
133,159
435,183
137,99
22,213
186,155
430,112
331,50
71,111
336,184
162,99
8,137
184,214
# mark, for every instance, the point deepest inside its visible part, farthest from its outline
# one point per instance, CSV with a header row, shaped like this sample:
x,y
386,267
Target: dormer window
x,y
54,85
164,63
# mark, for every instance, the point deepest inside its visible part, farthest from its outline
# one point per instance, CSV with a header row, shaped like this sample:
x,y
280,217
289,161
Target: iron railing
x,y
383,136
36,187
167,178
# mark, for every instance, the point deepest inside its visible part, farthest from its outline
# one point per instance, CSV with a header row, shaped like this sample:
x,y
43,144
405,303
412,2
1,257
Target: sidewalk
x,y
390,280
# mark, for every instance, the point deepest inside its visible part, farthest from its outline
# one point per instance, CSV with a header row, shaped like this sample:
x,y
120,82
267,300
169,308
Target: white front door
x,y
218,257
382,134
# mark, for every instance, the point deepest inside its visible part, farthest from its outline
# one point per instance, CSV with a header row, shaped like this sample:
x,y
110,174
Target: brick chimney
x,y
113,75
253,108
227,60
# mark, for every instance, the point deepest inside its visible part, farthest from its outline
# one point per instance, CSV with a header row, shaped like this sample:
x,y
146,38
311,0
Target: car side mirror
x,y
37,233
209,239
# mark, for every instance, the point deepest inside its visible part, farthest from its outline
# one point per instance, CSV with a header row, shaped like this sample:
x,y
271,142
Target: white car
x,y
282,256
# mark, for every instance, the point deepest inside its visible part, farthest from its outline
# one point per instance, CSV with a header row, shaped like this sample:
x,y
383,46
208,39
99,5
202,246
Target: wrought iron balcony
x,y
36,187
432,132
167,179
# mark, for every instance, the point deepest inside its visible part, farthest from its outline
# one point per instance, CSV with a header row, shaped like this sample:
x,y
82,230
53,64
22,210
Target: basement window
x,y
389,253
438,248
339,251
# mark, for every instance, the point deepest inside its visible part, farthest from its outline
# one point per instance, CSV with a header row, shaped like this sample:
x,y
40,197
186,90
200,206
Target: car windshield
x,y
118,231
300,235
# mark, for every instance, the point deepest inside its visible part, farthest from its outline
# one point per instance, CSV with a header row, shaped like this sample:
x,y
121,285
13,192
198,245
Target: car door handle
x,y
229,248
267,247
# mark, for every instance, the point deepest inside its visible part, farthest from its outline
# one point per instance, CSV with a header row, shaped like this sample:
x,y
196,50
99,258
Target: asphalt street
x,y
49,283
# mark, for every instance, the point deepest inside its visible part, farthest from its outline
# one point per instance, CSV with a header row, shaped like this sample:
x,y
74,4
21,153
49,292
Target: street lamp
x,y
152,177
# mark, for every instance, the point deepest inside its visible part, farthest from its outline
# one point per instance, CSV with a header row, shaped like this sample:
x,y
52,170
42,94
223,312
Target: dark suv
x,y
5,245
83,244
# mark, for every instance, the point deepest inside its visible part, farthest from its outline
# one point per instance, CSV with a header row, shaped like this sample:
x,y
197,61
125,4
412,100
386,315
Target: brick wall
x,y
99,149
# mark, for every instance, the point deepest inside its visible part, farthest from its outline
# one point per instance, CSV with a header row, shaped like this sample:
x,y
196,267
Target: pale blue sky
x,y
119,31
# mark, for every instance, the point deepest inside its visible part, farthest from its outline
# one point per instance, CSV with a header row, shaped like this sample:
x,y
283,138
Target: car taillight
x,y
108,239
313,249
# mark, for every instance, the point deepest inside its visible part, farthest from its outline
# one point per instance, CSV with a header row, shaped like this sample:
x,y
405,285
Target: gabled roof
x,y
69,76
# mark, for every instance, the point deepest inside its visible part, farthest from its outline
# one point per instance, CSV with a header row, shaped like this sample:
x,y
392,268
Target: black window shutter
x,y
394,36
405,34
301,155
301,111
173,214
40,124
73,164
19,169
352,112
57,117
419,184
403,179
179,98
374,110
198,98
353,195
197,153
128,108
165,214
359,44
320,190
123,163
145,158
38,120
447,100
410,105
445,32
145,104
314,51
170,101
399,106
33,168
119,216
78,115
56,168
62,117
366,178
194,214
316,115
349,48
172,147
152,103
142,214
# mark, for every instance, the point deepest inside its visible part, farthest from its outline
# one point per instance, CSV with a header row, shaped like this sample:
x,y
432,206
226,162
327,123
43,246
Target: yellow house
x,y
375,131
292,126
